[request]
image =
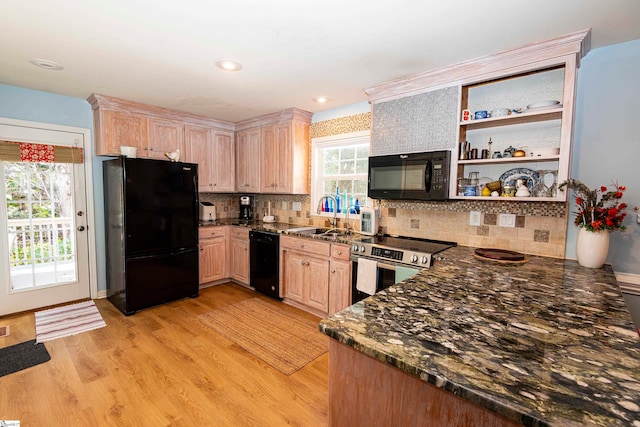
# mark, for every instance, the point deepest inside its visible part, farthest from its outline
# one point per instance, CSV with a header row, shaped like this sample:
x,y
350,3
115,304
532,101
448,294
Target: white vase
x,y
592,247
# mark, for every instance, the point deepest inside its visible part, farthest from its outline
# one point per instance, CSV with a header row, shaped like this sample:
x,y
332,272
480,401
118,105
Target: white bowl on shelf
x,y
543,104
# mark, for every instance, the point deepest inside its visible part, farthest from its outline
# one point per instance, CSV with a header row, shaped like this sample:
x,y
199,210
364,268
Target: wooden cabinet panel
x,y
239,250
283,173
339,285
248,155
165,136
317,280
212,259
115,129
293,269
199,147
283,154
213,254
305,271
223,162
270,159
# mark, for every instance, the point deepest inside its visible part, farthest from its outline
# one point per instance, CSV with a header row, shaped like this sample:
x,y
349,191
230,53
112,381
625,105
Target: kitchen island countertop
x,y
547,342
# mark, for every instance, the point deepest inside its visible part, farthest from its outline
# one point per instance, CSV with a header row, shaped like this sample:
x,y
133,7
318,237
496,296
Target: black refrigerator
x,y
151,232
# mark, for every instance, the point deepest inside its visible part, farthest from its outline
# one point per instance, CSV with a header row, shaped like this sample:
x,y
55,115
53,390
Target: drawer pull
x,y
339,252
333,271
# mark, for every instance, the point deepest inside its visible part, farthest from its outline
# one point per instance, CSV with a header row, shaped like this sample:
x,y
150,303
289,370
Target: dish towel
x,y
367,276
403,273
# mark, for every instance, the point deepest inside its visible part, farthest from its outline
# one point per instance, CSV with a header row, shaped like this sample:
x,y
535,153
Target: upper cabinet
x,y
248,160
528,94
213,151
165,136
152,130
282,156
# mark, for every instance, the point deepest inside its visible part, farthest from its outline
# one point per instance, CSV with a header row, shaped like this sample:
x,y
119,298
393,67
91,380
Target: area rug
x,y
22,356
283,339
67,320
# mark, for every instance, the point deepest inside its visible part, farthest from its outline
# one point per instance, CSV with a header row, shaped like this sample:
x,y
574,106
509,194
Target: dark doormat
x,y
22,356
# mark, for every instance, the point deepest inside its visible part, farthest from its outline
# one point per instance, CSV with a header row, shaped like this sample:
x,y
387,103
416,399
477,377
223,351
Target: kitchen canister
x,y
128,151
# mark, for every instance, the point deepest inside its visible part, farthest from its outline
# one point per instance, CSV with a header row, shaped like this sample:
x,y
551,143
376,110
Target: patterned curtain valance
x,y
12,151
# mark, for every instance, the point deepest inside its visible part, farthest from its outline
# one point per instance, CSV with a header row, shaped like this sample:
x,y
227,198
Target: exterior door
x,y
44,241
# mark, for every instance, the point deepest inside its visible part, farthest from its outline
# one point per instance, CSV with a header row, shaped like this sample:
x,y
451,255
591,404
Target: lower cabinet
x,y
311,277
213,254
339,279
239,251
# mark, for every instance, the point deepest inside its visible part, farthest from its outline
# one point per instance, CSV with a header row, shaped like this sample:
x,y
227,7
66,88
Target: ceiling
x,y
162,52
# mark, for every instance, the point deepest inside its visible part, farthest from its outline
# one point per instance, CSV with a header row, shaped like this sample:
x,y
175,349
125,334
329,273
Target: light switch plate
x,y
475,217
297,206
284,206
507,220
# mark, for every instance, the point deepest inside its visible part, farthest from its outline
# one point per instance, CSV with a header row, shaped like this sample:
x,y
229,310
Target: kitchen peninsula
x,y
473,342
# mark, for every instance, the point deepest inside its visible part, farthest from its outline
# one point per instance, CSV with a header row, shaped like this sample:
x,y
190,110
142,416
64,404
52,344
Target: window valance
x,y
13,151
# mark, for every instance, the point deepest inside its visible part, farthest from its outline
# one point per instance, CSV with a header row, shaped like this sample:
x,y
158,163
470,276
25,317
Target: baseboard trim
x,y
629,283
101,294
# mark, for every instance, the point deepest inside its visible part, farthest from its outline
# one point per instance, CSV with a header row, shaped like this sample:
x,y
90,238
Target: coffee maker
x,y
246,208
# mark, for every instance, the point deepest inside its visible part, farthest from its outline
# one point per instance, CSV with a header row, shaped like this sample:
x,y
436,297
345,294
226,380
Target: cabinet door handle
x,y
333,271
339,252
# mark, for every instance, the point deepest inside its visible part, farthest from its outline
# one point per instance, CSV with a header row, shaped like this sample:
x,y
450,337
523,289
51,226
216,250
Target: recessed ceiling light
x,y
321,99
46,64
228,65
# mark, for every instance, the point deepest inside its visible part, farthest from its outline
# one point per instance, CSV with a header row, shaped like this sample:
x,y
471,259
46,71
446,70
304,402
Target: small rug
x,y
22,356
67,320
285,340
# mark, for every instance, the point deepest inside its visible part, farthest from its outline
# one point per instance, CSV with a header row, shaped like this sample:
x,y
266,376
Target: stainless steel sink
x,y
304,230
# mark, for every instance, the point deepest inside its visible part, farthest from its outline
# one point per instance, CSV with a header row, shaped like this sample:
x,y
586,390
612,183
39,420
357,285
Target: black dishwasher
x,y
264,262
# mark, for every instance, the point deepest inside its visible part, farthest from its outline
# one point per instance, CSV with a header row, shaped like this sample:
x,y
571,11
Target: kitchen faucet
x,y
334,222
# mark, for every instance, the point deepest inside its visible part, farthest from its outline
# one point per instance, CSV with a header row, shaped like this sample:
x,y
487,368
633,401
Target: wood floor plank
x,y
160,367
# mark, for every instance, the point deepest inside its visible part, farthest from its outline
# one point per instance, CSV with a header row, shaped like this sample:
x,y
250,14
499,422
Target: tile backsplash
x,y
540,227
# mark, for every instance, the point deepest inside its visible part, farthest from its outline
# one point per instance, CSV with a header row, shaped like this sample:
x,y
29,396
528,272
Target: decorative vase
x,y
592,247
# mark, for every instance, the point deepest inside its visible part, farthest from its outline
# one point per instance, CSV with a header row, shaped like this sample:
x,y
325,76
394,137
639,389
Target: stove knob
x,y
424,260
354,248
414,258
362,249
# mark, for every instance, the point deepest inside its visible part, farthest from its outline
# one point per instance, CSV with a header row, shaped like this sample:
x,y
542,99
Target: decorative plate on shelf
x,y
509,177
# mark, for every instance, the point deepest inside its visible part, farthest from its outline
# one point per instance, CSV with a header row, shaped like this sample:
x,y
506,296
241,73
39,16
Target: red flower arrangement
x,y
597,213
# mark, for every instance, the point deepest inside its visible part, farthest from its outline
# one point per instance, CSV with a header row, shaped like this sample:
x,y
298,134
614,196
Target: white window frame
x,y
316,166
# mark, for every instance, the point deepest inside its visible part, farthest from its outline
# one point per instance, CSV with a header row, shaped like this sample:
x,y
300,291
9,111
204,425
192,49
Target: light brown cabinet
x,y
213,254
213,151
239,252
339,278
114,129
155,131
199,149
315,275
164,136
283,154
248,159
223,162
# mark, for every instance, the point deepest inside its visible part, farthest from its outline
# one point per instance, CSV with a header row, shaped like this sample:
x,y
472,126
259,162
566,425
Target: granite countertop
x,y
547,342
283,228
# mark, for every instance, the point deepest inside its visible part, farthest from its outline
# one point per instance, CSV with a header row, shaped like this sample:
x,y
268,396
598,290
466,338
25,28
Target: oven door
x,y
386,275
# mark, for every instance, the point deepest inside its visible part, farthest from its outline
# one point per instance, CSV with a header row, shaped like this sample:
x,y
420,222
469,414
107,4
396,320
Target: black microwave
x,y
413,176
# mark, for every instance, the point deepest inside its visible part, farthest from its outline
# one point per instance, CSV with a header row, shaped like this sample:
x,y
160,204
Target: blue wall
x,y
26,104
607,140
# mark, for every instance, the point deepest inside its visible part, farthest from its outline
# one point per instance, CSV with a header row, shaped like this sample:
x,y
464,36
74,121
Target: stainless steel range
x,y
403,250
390,260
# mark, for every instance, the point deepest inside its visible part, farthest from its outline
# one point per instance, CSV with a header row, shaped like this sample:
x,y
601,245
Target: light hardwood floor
x,y
160,367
